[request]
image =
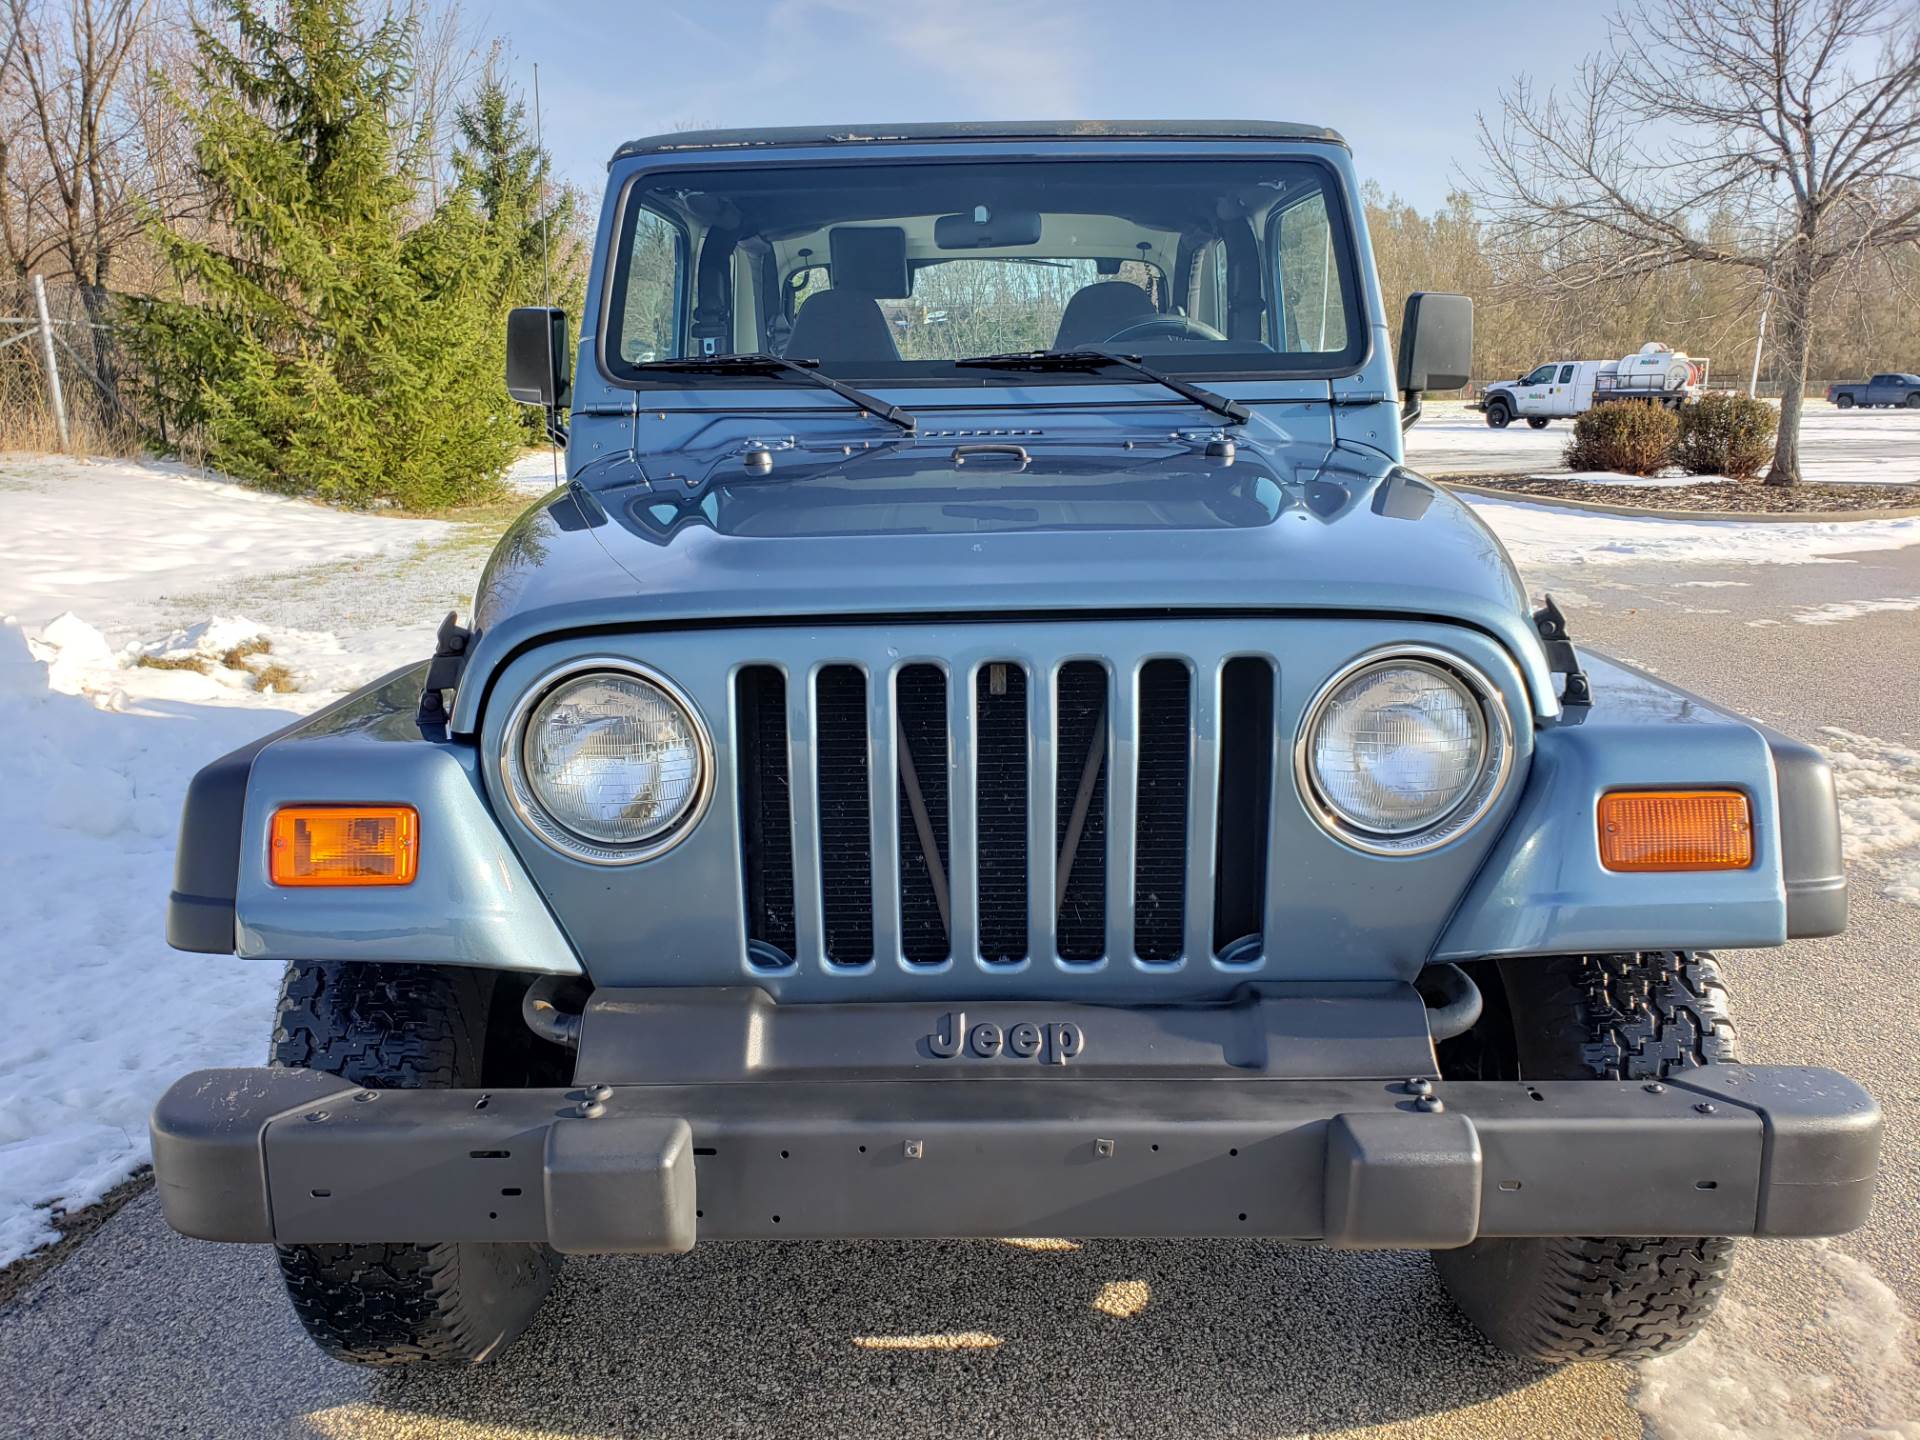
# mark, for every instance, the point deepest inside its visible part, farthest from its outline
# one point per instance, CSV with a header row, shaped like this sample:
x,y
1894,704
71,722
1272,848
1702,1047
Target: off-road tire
x,y
401,1027
1498,415
1607,1017
1538,422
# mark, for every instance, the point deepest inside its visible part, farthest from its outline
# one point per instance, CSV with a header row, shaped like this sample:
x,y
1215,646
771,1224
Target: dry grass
x,y
236,658
30,428
199,664
275,679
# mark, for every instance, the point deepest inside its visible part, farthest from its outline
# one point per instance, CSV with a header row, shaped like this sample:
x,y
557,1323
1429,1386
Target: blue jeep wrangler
x,y
989,739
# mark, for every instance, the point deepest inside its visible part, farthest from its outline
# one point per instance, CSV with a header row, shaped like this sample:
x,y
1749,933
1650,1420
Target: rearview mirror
x,y
539,360
983,229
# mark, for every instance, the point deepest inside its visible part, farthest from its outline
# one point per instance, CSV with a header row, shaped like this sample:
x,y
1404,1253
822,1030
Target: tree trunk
x,y
1793,342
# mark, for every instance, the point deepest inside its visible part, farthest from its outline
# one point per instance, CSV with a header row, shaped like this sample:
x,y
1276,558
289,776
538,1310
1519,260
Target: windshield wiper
x,y
1098,359
764,363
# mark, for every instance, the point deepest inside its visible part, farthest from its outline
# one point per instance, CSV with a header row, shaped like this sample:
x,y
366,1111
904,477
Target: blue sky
x,y
1401,79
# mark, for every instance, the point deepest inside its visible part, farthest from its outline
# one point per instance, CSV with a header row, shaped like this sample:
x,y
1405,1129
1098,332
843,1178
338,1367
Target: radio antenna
x,y
540,143
546,276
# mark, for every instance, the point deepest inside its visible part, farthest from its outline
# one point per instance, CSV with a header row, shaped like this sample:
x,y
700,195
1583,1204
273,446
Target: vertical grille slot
x,y
1000,762
920,692
846,832
1160,811
1081,708
1246,790
766,814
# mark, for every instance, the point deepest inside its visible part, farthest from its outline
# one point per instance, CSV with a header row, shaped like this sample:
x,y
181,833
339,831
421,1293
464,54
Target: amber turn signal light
x,y
345,845
1642,830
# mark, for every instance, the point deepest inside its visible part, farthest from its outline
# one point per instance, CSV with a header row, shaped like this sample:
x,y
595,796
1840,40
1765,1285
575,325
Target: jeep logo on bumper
x,y
1050,1044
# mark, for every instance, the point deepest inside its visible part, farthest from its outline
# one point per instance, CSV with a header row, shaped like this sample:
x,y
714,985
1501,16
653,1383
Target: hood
x,y
1007,523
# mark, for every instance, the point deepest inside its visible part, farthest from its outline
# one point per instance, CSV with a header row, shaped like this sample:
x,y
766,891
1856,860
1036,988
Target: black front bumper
x,y
298,1157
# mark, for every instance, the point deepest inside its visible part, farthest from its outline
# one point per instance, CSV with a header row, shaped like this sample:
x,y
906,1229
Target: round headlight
x,y
1403,753
608,765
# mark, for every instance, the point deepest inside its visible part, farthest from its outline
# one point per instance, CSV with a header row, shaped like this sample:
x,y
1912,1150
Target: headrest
x,y
871,259
1100,310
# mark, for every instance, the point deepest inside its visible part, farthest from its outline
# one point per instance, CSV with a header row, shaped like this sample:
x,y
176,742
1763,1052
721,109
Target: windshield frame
x,y
1345,228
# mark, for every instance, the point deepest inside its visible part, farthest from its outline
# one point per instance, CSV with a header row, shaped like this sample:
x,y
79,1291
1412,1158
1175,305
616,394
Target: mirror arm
x,y
1409,410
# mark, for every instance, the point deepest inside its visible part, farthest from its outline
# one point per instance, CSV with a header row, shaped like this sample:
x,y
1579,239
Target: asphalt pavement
x,y
143,1333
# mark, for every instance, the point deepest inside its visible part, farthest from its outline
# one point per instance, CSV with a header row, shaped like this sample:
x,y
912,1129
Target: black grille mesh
x,y
1246,790
1000,694
920,691
1160,812
766,809
1081,711
846,829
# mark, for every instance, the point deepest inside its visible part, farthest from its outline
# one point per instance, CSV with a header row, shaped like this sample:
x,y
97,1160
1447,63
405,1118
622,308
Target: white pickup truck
x,y
1563,388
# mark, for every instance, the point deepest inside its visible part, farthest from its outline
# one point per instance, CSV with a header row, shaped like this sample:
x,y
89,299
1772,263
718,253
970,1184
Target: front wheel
x,y
1601,1017
1498,415
1913,401
403,1026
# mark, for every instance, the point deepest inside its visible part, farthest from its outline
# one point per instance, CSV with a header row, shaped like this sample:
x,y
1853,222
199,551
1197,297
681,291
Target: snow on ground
x,y
1834,611
536,472
1837,446
1541,535
1879,785
1850,1372
104,567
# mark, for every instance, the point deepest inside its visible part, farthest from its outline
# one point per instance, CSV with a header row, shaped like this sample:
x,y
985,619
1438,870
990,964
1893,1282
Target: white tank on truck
x,y
1561,389
1653,369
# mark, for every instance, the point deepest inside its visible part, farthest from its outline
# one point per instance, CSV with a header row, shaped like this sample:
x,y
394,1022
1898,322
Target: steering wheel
x,y
1165,327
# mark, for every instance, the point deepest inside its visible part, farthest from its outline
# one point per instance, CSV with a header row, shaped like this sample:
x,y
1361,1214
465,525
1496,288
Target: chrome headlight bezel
x,y
1496,762
552,831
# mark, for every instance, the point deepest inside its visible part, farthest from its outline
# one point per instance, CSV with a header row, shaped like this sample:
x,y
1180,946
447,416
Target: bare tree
x,y
77,189
1792,125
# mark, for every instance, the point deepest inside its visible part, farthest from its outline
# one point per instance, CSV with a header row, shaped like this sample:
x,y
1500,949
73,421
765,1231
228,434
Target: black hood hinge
x,y
1562,659
443,674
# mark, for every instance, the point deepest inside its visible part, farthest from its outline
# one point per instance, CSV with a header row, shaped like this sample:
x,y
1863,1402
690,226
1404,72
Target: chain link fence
x,y
66,382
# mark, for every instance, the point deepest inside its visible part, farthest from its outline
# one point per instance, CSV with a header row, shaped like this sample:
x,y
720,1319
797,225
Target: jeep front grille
x,y
995,811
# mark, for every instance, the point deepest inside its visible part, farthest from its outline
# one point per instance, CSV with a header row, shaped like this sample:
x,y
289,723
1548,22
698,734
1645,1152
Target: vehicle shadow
x,y
1183,1339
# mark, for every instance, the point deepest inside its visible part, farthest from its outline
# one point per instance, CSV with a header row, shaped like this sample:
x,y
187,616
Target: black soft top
x,y
798,135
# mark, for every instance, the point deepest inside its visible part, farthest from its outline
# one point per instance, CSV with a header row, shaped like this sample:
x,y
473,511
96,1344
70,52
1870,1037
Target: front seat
x,y
838,326
1100,310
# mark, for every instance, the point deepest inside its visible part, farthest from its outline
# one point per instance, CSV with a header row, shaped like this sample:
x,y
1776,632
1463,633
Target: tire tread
x,y
400,1027
1645,1016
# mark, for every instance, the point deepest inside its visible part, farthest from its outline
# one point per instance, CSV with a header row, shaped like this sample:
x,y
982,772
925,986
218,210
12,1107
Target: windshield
x,y
887,272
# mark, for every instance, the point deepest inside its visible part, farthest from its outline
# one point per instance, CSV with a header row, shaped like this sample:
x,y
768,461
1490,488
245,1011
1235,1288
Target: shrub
x,y
1633,437
1726,434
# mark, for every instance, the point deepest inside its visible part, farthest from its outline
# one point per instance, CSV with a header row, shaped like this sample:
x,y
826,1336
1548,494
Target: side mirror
x,y
539,360
1436,342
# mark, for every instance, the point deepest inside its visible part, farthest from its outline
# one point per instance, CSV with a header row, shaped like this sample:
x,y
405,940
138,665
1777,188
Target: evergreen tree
x,y
324,342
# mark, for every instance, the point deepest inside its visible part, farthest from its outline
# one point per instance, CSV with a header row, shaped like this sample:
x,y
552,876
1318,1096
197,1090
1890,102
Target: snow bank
x,y
1879,786
147,605
100,1012
1546,535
